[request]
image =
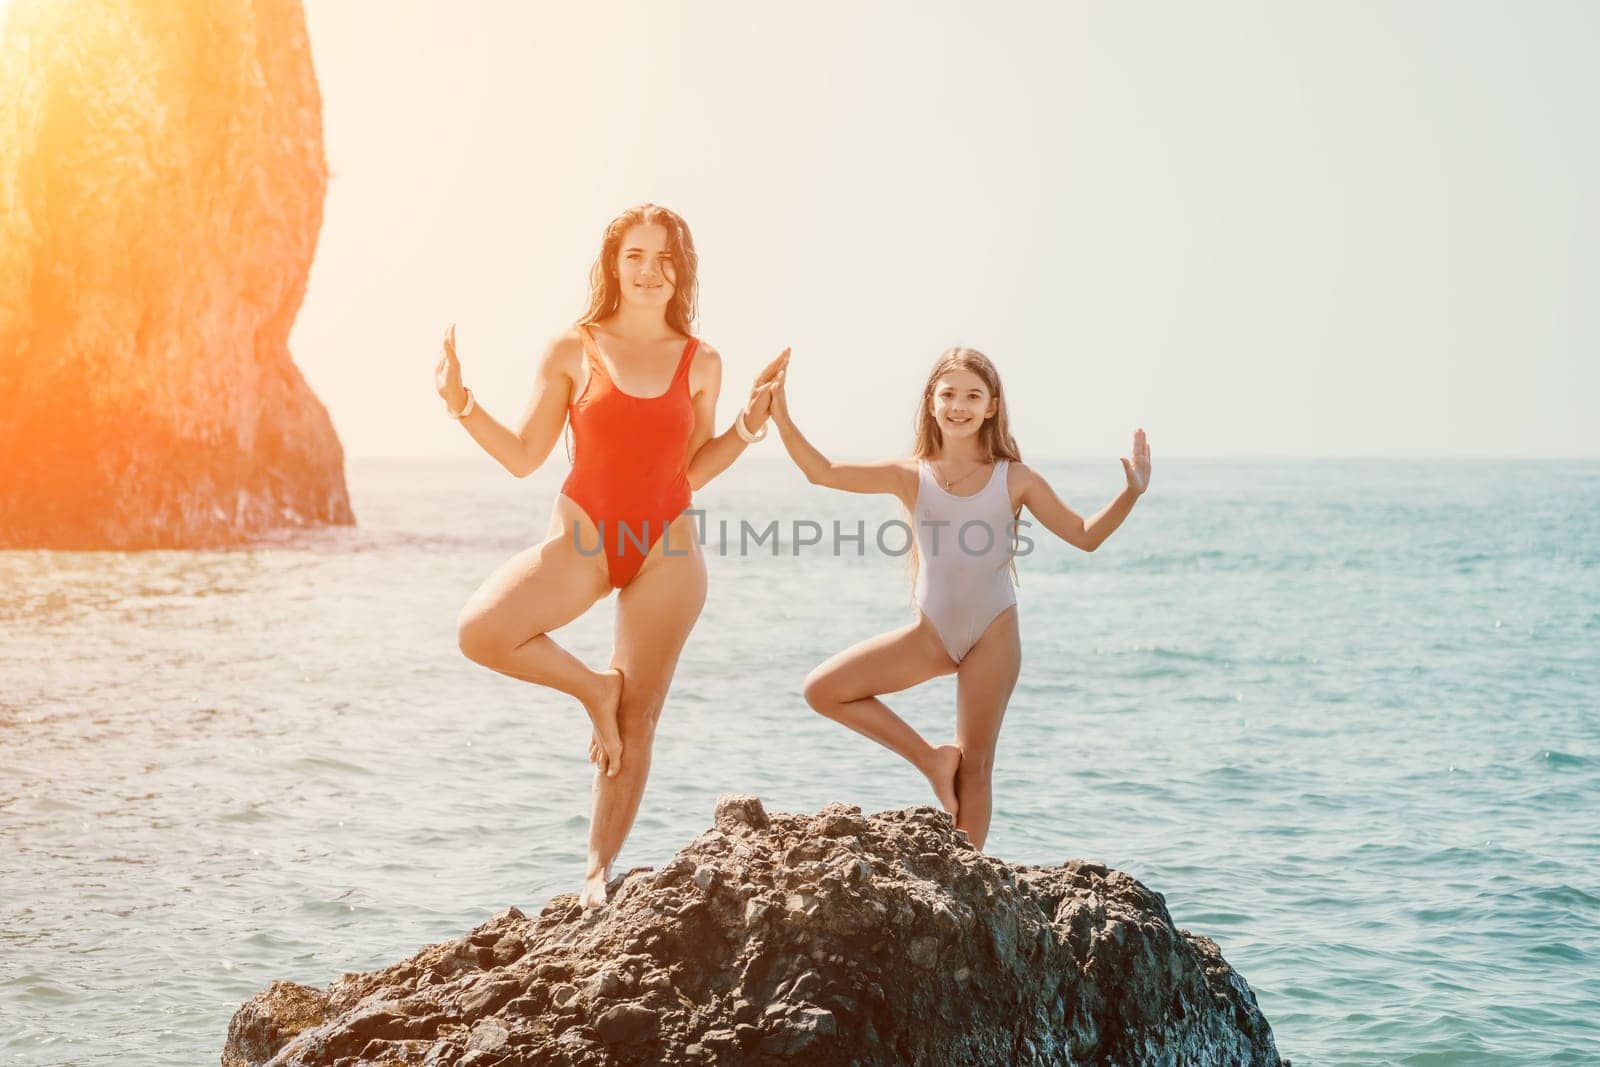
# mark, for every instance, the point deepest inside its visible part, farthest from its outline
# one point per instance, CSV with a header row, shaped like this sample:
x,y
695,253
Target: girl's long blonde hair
x,y
994,435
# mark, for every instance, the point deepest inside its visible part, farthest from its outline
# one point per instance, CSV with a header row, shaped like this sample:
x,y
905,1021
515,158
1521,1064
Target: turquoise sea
x,y
1343,714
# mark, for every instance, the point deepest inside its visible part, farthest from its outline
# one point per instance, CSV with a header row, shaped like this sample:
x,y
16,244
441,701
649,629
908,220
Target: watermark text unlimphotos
x,y
892,537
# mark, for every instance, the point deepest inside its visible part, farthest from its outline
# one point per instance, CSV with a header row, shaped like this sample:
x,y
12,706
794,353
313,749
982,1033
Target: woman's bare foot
x,y
946,761
605,747
594,888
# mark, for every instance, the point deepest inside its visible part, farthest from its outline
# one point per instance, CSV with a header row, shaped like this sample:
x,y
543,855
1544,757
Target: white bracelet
x,y
749,438
466,409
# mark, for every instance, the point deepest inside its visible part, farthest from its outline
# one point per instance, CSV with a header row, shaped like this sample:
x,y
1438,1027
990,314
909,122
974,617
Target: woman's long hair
x,y
994,435
605,291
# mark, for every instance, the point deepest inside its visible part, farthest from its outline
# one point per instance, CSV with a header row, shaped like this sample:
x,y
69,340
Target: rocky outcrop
x,y
833,938
161,189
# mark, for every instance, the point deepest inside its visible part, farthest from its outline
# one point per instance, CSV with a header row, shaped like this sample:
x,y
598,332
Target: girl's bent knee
x,y
817,694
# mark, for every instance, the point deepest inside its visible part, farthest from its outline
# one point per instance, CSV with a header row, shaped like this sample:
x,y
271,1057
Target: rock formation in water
x,y
161,189
828,939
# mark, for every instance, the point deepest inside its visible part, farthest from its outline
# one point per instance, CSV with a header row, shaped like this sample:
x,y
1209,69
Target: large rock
x,y
161,188
826,939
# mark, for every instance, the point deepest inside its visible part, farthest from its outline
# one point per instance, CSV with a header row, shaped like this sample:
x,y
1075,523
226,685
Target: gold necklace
x,y
952,484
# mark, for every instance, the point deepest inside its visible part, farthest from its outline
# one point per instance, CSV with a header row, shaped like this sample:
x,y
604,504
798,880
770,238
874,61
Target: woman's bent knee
x,y
480,640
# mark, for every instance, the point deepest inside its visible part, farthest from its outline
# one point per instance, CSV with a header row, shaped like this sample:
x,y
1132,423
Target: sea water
x,y
1342,714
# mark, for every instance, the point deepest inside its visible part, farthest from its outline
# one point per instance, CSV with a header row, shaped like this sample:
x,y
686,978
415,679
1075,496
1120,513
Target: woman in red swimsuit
x,y
640,393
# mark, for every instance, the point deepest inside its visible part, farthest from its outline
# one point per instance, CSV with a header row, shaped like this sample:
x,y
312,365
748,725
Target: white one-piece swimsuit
x,y
965,544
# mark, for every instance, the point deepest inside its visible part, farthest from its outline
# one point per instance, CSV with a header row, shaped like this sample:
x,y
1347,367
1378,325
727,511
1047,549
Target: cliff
x,y
161,190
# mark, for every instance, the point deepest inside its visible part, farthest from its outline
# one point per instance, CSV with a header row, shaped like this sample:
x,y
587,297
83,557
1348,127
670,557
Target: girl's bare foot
x,y
594,888
603,713
946,761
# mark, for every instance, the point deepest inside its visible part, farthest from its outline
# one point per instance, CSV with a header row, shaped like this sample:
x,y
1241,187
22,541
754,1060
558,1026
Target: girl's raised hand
x,y
447,375
1138,471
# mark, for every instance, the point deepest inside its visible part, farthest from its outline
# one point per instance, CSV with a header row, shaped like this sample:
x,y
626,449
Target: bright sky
x,y
1254,228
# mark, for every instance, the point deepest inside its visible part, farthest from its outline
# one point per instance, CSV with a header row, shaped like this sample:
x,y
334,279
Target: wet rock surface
x,y
833,938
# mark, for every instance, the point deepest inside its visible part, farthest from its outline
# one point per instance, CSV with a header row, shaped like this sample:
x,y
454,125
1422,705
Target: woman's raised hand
x,y
759,406
780,395
447,375
1138,471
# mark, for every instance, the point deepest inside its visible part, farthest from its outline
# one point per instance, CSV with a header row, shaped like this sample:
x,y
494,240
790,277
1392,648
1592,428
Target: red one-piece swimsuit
x,y
630,460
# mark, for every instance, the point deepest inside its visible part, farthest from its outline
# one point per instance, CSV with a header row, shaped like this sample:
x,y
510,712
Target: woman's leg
x,y
655,612
504,624
984,682
845,688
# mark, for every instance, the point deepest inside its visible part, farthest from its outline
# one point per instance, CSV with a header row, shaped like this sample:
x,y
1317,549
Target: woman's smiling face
x,y
645,270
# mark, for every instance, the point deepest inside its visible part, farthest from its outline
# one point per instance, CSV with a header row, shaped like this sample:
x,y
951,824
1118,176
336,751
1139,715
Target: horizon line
x,y
1318,456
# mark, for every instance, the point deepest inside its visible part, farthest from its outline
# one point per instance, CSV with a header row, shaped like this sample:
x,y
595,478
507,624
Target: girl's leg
x,y
845,688
983,687
655,612
504,624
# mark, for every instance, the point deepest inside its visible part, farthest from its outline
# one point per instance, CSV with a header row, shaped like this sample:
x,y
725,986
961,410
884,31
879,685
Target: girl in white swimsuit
x,y
964,486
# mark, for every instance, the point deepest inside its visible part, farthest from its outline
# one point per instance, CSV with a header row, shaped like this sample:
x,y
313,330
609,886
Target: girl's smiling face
x,y
645,270
960,403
